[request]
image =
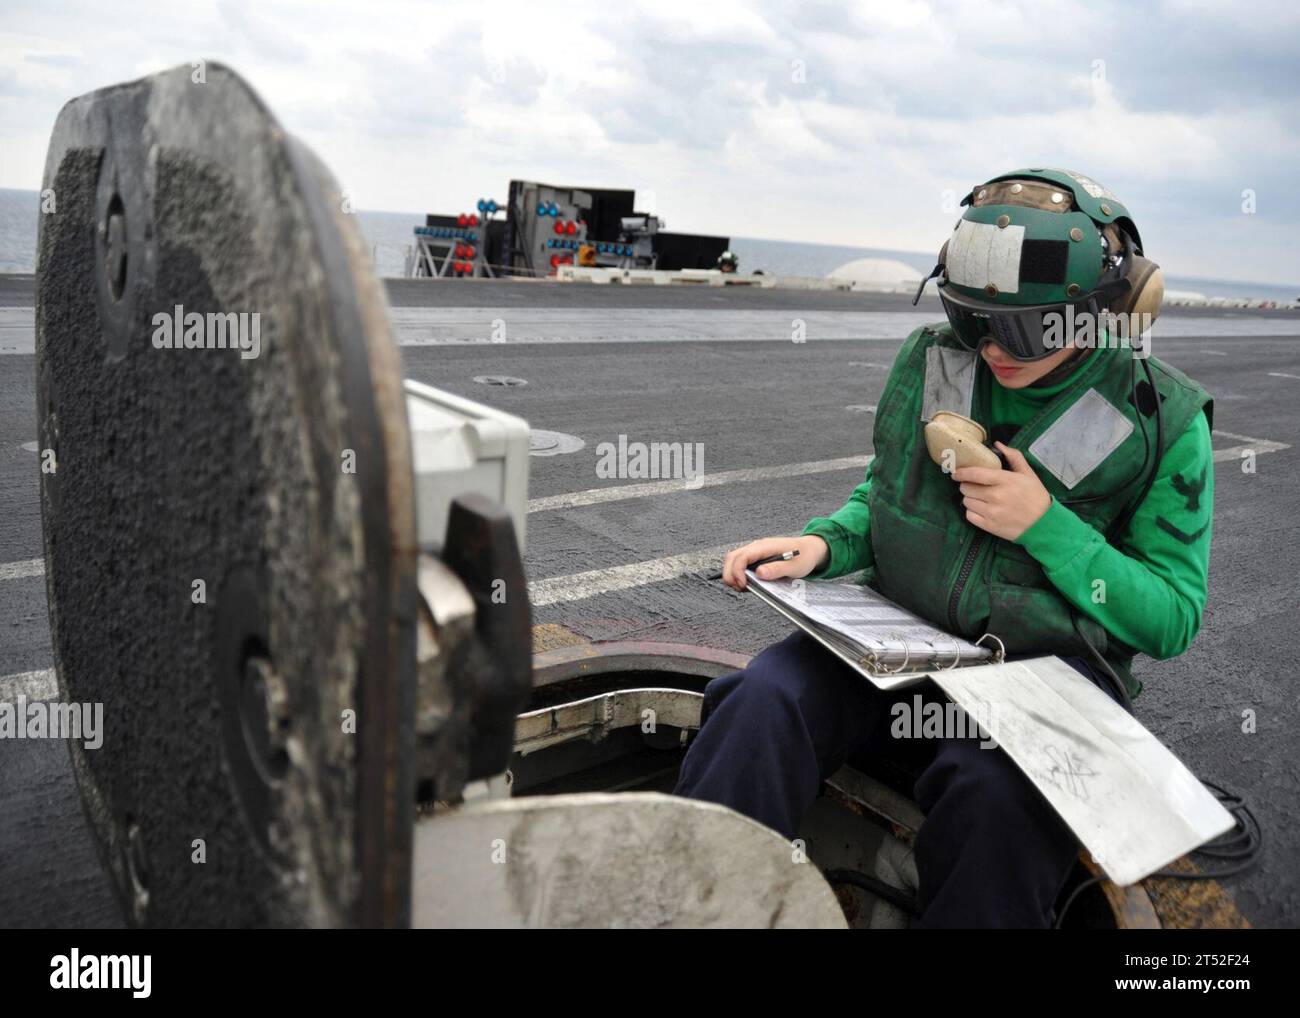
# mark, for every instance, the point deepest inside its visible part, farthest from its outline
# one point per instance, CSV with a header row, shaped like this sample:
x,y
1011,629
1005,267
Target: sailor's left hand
x,y
1006,503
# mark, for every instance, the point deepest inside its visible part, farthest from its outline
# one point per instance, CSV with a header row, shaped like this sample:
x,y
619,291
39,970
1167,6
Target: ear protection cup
x,y
1146,287
1146,283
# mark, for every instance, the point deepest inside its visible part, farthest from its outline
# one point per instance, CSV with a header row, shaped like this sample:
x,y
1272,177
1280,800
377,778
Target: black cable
x,y
1245,829
1120,522
1117,527
1060,917
1108,672
886,892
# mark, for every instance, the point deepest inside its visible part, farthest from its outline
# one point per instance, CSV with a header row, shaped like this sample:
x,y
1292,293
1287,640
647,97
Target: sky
x,y
849,123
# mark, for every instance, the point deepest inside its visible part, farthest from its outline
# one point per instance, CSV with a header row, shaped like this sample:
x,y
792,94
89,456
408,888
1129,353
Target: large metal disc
x,y
229,538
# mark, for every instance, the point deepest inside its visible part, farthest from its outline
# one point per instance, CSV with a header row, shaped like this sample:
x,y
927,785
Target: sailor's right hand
x,y
813,553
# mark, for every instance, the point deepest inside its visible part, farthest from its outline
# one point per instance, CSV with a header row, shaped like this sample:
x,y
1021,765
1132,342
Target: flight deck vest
x,y
1086,446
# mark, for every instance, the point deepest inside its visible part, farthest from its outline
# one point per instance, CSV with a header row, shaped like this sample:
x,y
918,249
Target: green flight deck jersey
x,y
1090,441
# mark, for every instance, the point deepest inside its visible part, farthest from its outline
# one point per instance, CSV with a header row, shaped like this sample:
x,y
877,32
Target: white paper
x,y
1127,798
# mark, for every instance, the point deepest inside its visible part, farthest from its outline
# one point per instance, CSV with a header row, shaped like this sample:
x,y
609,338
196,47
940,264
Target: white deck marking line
x,y
20,570
42,685
1215,353
1282,374
579,586
1234,452
459,326
1255,445
593,496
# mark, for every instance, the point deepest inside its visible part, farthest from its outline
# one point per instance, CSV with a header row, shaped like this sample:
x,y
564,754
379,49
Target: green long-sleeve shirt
x,y
1153,585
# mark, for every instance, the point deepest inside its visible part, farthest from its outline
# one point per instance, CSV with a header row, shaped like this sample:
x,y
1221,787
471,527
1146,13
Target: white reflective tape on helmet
x,y
1090,185
981,253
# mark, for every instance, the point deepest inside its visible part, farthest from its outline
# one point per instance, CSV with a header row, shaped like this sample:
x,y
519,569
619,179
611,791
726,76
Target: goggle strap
x,y
920,289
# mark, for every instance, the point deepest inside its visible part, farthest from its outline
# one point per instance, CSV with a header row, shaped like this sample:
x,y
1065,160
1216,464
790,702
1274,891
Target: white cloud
x,y
422,106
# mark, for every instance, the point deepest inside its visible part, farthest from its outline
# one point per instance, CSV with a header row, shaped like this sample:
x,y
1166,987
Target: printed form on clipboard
x,y
1130,801
888,644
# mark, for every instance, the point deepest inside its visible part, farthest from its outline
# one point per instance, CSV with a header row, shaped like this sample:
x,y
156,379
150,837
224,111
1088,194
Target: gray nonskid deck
x,y
777,419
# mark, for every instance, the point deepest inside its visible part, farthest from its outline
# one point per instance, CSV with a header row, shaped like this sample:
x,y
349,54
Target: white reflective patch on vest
x,y
1081,438
949,381
980,253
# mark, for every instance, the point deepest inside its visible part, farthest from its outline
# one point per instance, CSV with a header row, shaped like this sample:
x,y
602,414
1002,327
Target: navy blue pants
x,y
991,852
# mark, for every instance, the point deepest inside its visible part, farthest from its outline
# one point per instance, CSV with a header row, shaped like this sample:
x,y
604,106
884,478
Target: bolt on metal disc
x,y
229,527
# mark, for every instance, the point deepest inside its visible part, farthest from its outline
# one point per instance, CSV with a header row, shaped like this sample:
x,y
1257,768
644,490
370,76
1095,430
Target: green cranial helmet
x,y
1032,243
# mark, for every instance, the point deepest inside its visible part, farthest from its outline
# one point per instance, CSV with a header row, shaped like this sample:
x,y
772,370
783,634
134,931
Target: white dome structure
x,y
879,274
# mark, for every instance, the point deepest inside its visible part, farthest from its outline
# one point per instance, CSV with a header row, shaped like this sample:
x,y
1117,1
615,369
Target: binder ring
x,y
1000,654
907,656
957,659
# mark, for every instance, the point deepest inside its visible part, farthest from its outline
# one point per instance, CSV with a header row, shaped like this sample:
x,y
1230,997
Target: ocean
x,y
389,234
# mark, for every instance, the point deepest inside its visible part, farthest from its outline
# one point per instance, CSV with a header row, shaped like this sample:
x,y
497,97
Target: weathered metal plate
x,y
229,533
629,860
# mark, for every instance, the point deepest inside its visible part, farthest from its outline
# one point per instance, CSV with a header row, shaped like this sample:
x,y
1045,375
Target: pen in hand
x,y
785,556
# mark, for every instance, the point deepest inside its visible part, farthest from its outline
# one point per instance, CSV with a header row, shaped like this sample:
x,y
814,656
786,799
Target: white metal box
x,y
459,446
